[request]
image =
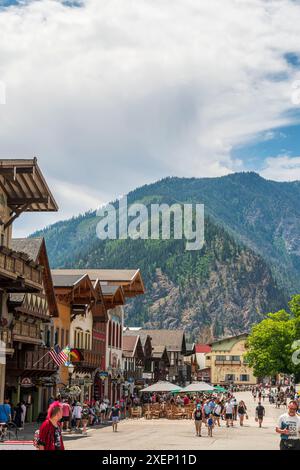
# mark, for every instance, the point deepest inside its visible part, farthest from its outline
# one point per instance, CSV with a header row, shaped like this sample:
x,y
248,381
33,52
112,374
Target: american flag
x,y
58,355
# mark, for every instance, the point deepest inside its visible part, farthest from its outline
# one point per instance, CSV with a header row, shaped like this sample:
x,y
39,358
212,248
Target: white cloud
x,y
283,168
120,93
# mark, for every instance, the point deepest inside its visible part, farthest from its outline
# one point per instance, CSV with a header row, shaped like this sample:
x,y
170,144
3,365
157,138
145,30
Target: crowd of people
x,y
210,411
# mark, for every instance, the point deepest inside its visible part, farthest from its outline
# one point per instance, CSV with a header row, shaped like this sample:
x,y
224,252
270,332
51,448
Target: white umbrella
x,y
162,387
198,387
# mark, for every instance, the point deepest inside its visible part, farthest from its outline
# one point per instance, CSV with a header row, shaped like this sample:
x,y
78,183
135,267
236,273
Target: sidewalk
x,y
27,433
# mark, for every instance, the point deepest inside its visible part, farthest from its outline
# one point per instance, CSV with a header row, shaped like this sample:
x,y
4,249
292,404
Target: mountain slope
x,y
252,244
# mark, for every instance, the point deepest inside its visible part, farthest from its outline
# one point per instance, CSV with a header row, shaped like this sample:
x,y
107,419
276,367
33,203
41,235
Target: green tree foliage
x,y
271,342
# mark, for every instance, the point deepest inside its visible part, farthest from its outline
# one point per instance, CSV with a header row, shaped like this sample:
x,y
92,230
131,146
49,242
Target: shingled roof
x,y
173,340
30,246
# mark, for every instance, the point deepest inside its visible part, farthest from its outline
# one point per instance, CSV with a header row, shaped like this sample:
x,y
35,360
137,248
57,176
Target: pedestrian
x,y
235,407
24,410
198,415
103,408
210,425
5,412
77,414
242,412
66,413
289,428
217,413
115,416
228,411
18,416
85,413
259,413
49,436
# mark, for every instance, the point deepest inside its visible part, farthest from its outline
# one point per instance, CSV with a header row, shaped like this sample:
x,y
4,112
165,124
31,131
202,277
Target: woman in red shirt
x,y
50,437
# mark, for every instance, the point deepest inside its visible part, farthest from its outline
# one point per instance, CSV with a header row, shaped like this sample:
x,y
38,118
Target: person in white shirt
x,y
228,411
103,409
77,414
23,414
289,428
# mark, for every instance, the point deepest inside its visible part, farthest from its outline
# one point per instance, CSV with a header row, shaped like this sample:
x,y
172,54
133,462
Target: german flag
x,y
76,355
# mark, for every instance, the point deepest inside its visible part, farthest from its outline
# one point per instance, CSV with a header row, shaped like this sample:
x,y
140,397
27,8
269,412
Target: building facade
x,y
227,363
25,290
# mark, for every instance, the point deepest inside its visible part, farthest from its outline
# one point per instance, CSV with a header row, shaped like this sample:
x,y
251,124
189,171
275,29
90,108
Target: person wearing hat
x,y
197,414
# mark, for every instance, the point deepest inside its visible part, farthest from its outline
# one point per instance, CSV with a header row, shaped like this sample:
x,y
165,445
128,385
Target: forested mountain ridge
x,y
248,266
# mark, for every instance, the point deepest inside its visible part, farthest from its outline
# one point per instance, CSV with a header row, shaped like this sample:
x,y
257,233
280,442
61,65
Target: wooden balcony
x,y
32,363
18,273
91,360
228,363
26,332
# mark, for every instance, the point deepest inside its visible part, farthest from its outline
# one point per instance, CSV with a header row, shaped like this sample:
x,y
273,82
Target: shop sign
x,y
26,382
102,375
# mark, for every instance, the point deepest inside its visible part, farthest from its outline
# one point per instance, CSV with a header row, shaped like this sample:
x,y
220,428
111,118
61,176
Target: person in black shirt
x,y
260,413
115,416
198,419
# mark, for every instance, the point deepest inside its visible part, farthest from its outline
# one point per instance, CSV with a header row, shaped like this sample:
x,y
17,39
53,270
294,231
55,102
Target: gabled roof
x,y
66,280
226,344
203,348
137,332
129,279
30,246
173,340
35,249
132,347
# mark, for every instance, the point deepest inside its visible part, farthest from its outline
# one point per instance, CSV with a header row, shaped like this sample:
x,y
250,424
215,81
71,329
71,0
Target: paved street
x,y
165,434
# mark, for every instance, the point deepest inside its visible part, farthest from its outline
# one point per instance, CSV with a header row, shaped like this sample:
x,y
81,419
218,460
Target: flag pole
x,y
41,358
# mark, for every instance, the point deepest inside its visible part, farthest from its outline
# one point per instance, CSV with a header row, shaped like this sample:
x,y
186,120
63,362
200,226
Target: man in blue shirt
x,y
5,412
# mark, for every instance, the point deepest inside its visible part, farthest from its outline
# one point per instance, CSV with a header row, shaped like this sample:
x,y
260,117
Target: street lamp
x,y
70,370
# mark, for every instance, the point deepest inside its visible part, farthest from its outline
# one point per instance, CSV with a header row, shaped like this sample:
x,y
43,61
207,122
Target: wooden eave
x,y
25,187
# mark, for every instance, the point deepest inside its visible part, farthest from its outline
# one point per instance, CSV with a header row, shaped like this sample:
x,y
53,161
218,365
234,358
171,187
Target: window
x,y
52,336
120,340
235,358
87,340
109,333
244,378
113,343
78,338
67,337
220,358
47,337
56,337
229,378
62,335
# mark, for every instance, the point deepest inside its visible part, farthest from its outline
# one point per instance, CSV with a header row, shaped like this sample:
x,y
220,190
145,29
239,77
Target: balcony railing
x,y
91,360
227,363
15,265
32,361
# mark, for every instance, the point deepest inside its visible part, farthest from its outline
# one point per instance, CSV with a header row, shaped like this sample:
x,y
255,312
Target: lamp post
x,y
70,370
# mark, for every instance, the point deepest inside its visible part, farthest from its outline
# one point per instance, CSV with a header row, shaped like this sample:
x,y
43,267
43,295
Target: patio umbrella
x,y
198,387
162,387
217,388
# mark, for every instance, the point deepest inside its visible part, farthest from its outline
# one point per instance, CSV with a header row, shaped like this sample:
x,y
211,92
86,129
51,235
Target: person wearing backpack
x,y
50,436
198,414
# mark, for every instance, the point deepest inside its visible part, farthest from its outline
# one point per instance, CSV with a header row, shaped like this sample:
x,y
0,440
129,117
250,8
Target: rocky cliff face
x,y
234,295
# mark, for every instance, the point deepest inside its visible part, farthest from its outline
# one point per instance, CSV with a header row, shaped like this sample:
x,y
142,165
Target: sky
x,y
112,94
